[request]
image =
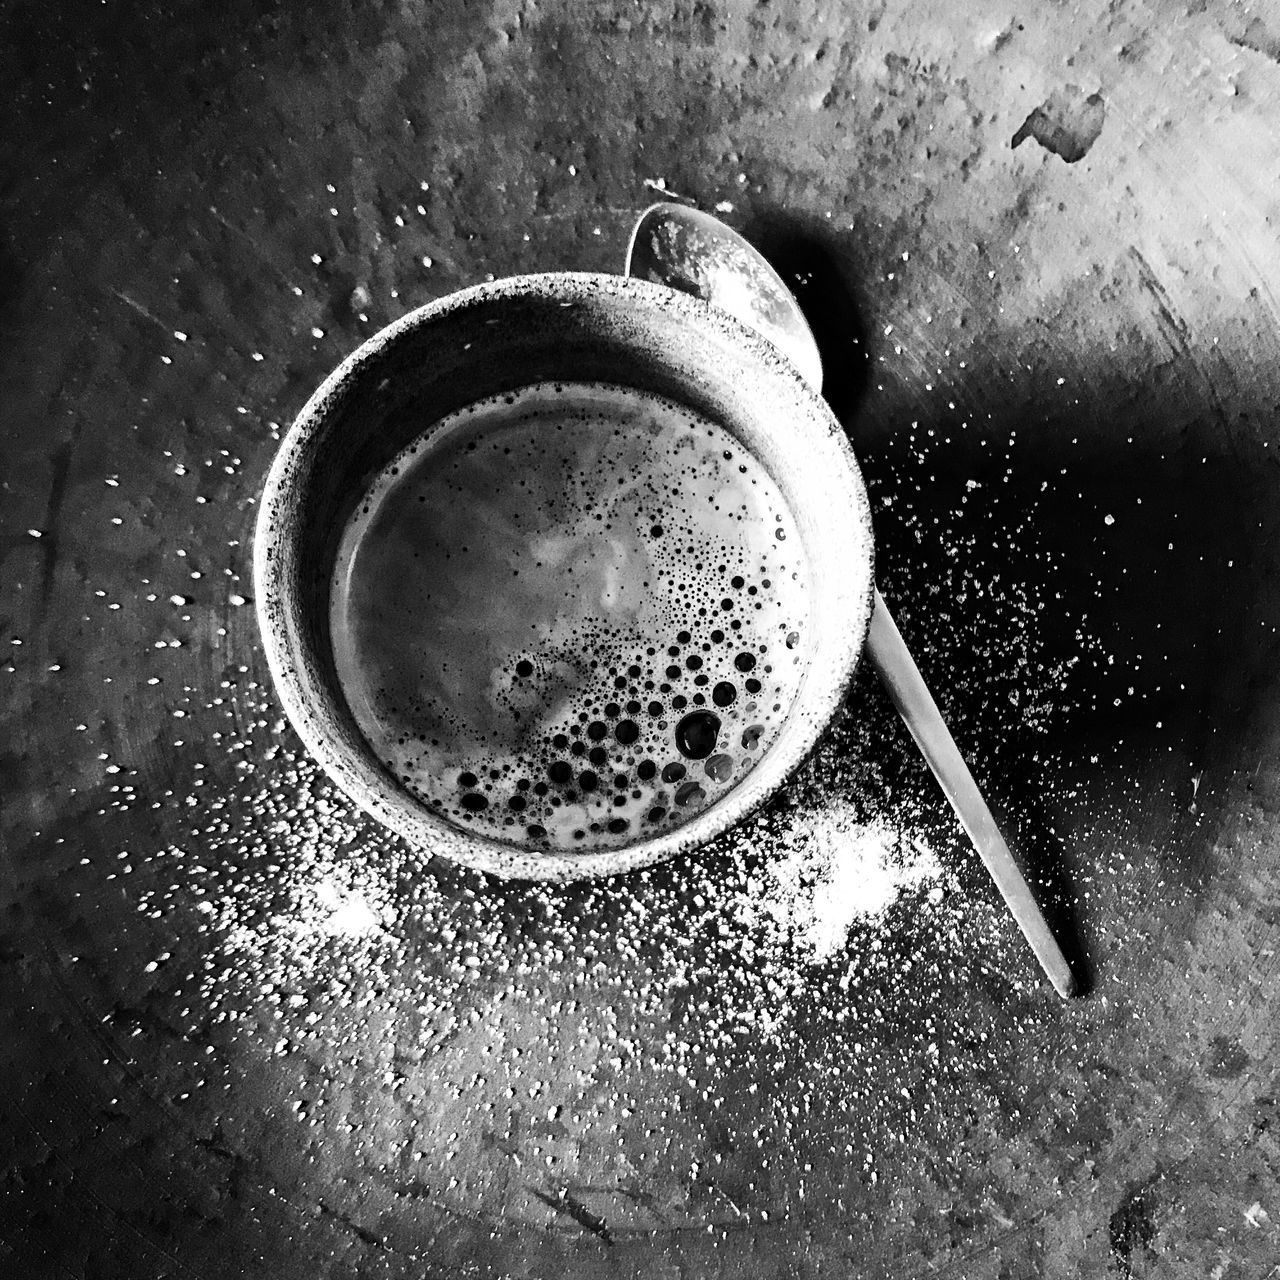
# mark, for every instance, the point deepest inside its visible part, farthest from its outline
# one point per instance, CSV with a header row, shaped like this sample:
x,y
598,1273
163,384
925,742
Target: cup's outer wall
x,y
498,337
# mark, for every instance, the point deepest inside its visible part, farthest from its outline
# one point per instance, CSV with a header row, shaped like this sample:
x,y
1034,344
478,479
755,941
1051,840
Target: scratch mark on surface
x,y
140,309
257,249
354,1227
1177,335
1173,328
571,1207
60,466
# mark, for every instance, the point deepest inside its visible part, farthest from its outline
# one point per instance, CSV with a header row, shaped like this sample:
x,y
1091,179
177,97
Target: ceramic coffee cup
x,y
499,338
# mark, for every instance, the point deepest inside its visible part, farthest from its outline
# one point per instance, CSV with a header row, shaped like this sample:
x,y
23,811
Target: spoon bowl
x,y
693,252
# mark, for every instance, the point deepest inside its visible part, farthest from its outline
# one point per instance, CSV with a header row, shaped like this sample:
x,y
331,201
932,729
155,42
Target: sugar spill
x,y
834,870
798,986
819,934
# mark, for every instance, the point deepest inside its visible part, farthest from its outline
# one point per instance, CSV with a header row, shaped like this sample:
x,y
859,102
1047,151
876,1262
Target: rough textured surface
x,y
243,1034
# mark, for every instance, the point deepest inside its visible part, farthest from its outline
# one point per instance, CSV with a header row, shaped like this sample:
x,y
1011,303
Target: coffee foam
x,y
571,616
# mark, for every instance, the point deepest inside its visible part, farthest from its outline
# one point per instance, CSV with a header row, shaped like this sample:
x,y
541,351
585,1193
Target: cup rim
x,y
368,787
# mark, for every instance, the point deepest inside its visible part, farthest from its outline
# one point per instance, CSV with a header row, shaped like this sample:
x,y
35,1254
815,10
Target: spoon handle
x,y
906,687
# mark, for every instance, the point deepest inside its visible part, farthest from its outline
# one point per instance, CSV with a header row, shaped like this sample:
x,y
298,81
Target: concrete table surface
x,y
243,1033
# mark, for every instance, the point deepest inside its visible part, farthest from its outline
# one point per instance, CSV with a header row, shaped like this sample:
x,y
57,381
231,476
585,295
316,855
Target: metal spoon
x,y
688,250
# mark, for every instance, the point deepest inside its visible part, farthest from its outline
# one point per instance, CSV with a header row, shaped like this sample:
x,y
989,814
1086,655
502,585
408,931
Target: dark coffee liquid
x,y
570,616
